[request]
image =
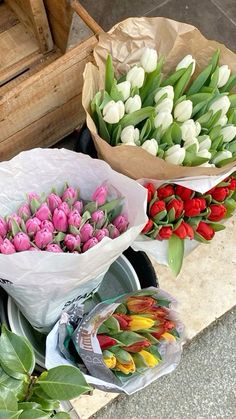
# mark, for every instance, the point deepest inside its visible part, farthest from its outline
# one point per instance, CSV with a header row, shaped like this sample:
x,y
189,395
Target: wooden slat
x,y
32,14
7,18
60,16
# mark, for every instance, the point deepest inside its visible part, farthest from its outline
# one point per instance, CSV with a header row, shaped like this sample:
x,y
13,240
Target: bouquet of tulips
x,y
122,344
58,246
178,214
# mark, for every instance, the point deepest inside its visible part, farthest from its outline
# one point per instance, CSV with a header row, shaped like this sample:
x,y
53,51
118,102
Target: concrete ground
x,y
202,387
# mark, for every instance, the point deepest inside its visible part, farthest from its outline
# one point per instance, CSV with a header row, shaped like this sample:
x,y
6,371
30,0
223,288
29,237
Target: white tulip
x,y
228,133
163,120
198,128
166,105
222,155
224,74
222,121
136,76
204,153
133,104
149,60
206,164
175,155
191,141
183,110
113,111
151,146
223,104
190,129
204,142
167,90
129,134
124,89
185,63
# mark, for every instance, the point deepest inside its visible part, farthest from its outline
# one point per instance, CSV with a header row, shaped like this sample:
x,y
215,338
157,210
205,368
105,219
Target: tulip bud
x,y
140,323
183,193
97,216
48,225
219,193
157,207
59,220
55,248
149,358
136,76
185,63
222,121
218,212
24,212
204,142
228,133
167,90
124,88
129,134
72,242
74,218
163,120
106,341
33,195
148,227
113,231
100,195
43,238
175,155
190,142
165,191
109,359
53,201
139,304
70,195
177,205
100,234
7,248
183,110
137,346
78,205
224,74
89,244
164,233
133,104
121,222
204,153
21,242
33,225
190,129
222,155
223,104
3,227
86,232
113,112
149,60
64,207
184,230
166,105
193,207
205,230
151,146
14,217
151,190
43,213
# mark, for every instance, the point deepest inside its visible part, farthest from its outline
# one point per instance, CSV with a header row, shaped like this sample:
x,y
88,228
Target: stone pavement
x,y
202,387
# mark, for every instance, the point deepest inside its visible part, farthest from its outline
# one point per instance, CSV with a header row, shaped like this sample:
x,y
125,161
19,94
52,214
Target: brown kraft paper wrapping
x,y
125,42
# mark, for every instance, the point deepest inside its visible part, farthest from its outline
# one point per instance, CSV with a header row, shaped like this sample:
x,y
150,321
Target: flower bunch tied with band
x,y
131,336
177,213
183,118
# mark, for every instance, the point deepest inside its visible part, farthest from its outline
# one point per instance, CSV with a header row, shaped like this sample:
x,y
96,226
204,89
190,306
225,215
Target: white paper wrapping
x,y
42,282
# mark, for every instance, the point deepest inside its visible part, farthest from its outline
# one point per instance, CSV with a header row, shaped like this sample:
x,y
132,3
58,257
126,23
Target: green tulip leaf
x,y
151,83
136,117
110,206
127,338
145,131
174,333
139,361
171,215
215,132
217,143
8,400
154,351
102,127
213,120
176,133
109,74
114,93
199,98
35,414
15,227
173,78
175,253
200,239
192,160
226,161
97,100
16,354
232,146
231,83
160,216
112,324
63,383
214,78
232,99
183,82
217,226
200,80
7,414
215,59
116,136
204,119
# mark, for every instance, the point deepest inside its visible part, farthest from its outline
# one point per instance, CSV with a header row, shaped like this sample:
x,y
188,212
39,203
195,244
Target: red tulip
x,y
183,193
138,346
123,320
217,213
177,205
151,190
184,230
139,304
164,233
232,185
165,191
219,194
147,227
106,341
193,207
157,207
169,325
205,230
159,332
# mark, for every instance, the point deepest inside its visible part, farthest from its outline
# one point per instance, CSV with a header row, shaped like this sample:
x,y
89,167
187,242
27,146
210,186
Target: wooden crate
x,y
44,46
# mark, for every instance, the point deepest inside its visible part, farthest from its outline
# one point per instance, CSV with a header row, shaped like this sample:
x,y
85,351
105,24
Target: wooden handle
x,y
85,16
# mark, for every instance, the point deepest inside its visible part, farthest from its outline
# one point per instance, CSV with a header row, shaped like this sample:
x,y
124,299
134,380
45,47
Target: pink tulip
x,y
7,248
53,201
3,227
113,231
33,195
100,195
90,243
74,218
86,232
1,240
60,220
33,225
98,216
24,212
64,207
100,234
43,238
72,242
78,205
53,248
21,242
48,225
121,223
43,213
70,195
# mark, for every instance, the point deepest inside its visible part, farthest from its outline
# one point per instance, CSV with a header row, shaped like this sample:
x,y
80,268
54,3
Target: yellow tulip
x,y
168,336
150,359
109,359
126,368
140,323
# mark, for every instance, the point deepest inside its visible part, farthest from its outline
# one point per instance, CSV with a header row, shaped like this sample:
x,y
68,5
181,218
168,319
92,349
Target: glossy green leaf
x,y
63,383
199,98
112,324
109,74
154,351
8,399
47,405
128,337
110,206
7,414
136,117
62,415
200,80
175,253
183,82
139,361
35,414
217,226
29,406
16,354
215,60
173,78
19,387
